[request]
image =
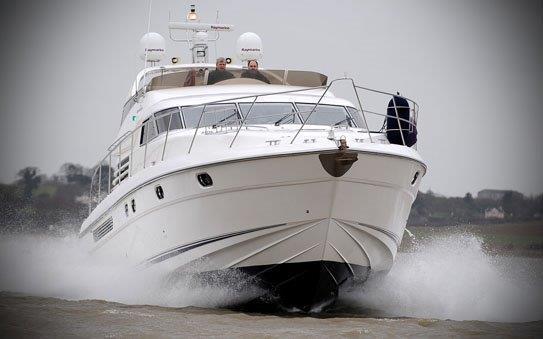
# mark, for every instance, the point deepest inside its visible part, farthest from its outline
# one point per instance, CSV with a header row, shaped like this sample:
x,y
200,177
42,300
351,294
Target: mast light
x,y
198,36
192,16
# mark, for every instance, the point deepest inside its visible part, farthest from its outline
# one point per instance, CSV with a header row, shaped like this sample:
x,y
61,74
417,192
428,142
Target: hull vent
x,y
103,229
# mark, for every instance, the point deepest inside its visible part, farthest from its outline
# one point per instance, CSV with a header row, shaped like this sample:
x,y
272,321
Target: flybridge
x,y
174,76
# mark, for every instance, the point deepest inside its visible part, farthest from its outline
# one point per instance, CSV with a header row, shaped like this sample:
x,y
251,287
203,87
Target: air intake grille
x,y
103,229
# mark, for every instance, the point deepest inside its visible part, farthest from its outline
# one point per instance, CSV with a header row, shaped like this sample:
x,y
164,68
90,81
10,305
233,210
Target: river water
x,y
447,286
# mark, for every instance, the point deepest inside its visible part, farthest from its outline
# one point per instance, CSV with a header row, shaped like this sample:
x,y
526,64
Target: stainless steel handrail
x,y
313,110
361,109
398,118
197,126
243,121
114,180
119,140
167,134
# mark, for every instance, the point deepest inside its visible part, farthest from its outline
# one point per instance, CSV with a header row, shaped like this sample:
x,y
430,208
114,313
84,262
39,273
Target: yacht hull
x,y
302,286
289,223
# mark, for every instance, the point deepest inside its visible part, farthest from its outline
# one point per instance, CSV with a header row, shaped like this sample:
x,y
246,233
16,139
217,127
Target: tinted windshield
x,y
325,114
269,113
358,119
163,119
213,114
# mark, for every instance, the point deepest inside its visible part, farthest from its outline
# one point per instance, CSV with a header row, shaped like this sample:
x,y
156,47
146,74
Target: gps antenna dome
x,y
152,47
249,47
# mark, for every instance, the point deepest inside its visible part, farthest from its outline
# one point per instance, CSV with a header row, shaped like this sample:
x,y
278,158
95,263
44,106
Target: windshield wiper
x,y
347,119
224,119
278,122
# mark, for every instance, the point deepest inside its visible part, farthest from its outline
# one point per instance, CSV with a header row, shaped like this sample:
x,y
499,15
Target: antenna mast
x,y
197,34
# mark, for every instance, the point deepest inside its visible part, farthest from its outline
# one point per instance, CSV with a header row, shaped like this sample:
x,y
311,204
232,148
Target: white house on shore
x,y
494,213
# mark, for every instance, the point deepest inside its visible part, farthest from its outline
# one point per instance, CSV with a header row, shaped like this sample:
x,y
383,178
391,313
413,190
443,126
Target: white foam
x,y
59,267
448,278
453,278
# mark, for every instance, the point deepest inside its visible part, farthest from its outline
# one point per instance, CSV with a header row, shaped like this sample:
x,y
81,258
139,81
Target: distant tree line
x,y
434,210
58,203
38,203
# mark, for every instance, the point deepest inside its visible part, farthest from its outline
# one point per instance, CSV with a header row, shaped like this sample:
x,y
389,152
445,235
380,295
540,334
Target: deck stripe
x,y
187,247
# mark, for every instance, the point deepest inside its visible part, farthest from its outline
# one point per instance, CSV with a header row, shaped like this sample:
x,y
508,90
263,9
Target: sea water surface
x,y
446,286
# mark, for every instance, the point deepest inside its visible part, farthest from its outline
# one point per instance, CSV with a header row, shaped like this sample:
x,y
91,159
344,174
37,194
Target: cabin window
x,y
148,131
214,114
329,115
269,113
163,120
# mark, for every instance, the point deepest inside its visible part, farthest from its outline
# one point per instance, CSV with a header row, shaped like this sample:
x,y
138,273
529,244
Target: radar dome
x,y
152,46
249,47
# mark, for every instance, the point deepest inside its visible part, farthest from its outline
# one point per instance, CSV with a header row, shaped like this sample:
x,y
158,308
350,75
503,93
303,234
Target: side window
x,y
163,120
148,131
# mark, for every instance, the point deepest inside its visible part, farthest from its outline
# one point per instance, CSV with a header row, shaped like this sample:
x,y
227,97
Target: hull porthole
x,y
159,192
415,177
205,179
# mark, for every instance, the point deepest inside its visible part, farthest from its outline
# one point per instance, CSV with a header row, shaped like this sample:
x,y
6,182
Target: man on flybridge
x,y
220,73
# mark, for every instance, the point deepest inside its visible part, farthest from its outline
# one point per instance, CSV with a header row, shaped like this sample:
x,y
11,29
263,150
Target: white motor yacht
x,y
283,182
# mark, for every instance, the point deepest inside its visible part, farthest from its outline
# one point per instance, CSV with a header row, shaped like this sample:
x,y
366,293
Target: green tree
x,y
29,180
74,174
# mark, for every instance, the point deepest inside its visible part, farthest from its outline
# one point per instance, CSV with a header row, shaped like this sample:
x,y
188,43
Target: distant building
x,y
497,194
494,213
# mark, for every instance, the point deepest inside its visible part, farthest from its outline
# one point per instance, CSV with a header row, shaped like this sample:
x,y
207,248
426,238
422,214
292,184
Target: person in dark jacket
x,y
220,73
253,72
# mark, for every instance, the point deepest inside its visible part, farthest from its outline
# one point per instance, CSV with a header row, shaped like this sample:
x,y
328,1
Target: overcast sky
x,y
475,68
